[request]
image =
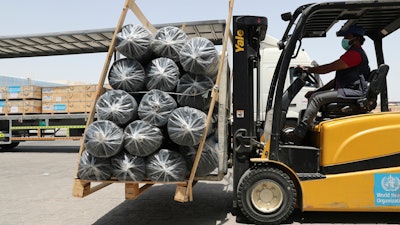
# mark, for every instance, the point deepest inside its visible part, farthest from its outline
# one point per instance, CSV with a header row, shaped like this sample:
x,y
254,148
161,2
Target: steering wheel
x,y
309,77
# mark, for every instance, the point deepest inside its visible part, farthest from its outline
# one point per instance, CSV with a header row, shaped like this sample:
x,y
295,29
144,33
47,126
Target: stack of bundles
x,y
127,74
195,91
94,168
104,138
142,138
117,106
186,126
155,107
165,166
162,74
168,42
127,167
209,157
199,56
134,42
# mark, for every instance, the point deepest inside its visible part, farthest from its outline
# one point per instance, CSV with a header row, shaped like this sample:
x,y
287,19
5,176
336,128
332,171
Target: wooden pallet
x,y
184,190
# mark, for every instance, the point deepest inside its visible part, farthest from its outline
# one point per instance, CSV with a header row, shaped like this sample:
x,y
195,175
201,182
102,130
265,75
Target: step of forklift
x,y
302,159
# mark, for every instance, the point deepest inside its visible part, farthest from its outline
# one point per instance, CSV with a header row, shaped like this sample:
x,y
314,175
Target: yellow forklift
x,y
350,160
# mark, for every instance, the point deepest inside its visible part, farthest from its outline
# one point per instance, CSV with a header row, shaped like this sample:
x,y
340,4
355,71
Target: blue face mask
x,y
346,44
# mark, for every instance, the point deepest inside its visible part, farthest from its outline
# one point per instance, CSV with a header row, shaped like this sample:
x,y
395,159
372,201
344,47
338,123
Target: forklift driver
x,y
352,71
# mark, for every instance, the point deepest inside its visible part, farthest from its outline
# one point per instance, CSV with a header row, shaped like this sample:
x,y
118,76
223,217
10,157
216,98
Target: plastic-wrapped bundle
x,y
155,107
117,106
168,42
165,166
94,168
209,157
142,138
162,74
195,90
127,74
186,126
134,42
199,56
128,167
104,138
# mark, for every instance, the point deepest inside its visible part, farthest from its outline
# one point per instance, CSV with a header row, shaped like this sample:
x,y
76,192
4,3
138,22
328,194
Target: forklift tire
x,y
266,195
9,146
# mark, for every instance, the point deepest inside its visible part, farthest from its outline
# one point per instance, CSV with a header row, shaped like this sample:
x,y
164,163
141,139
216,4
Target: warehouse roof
x,y
92,41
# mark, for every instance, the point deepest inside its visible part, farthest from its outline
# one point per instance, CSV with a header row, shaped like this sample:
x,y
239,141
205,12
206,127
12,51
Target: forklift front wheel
x,y
266,195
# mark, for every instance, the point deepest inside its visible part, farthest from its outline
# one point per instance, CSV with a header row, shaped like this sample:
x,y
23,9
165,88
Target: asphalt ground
x,y
36,181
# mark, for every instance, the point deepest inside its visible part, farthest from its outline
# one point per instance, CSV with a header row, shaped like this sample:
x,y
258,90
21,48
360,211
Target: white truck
x,y
270,53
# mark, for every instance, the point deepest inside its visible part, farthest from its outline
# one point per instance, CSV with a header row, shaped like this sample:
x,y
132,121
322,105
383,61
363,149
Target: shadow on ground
x,y
211,205
43,149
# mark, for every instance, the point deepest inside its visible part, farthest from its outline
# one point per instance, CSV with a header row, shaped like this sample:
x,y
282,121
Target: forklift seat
x,y
362,105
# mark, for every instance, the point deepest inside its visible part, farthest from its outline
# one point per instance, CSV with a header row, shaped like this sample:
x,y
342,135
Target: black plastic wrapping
x,y
155,107
134,42
94,168
162,74
142,138
117,106
195,91
168,42
127,167
186,126
199,56
128,75
209,157
104,138
166,166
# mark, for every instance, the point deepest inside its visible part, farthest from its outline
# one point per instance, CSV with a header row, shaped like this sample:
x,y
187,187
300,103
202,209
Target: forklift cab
x,y
347,147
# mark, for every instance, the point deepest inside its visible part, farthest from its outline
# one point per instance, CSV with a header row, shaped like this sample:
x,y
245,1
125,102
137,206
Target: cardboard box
x,y
3,92
66,107
75,93
24,92
71,88
21,107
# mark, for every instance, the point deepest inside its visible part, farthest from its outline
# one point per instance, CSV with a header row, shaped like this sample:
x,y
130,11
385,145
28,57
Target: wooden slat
x,y
214,95
139,14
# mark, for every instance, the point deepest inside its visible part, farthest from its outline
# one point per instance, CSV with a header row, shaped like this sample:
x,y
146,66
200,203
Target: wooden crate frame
x,y
184,189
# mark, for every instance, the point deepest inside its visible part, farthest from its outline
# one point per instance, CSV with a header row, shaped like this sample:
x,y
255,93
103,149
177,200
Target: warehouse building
x,y
16,81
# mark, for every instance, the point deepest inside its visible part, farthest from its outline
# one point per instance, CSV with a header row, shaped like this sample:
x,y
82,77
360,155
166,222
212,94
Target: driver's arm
x,y
327,68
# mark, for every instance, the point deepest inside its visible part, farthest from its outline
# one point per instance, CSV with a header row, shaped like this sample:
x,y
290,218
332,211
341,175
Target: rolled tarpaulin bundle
x,y
168,42
117,106
142,138
199,56
134,42
186,126
209,157
127,167
166,166
104,138
128,75
94,168
155,107
162,74
194,90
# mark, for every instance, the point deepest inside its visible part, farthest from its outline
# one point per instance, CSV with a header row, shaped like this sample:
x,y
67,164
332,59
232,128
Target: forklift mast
x,y
249,31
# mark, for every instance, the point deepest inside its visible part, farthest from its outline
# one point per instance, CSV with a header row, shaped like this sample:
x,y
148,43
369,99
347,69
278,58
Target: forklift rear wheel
x,y
266,195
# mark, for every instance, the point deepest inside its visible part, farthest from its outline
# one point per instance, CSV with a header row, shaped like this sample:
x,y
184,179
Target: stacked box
x,y
3,92
24,92
20,99
68,99
20,106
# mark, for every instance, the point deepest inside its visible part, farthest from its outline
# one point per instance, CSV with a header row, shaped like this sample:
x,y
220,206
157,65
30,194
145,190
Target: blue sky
x,y
47,16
